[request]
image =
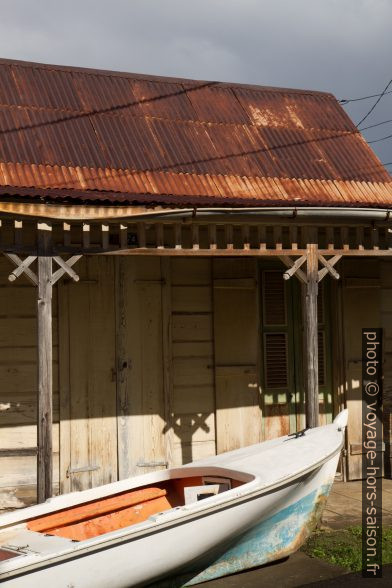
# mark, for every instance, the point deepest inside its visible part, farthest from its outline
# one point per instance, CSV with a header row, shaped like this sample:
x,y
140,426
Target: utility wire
x,y
376,125
381,139
345,101
375,104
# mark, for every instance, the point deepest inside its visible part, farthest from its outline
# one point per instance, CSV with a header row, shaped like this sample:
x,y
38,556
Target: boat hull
x,y
271,539
284,485
255,531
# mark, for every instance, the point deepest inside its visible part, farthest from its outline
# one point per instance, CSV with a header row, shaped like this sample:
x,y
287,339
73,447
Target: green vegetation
x,y
344,548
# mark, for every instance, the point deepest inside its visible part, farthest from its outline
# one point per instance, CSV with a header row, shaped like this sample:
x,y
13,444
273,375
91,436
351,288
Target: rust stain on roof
x,y
72,133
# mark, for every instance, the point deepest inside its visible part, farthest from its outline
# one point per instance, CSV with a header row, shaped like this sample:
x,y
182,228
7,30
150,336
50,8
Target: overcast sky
x,y
341,46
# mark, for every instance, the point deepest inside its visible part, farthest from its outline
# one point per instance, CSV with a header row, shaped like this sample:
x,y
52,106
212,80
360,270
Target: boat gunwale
x,y
180,515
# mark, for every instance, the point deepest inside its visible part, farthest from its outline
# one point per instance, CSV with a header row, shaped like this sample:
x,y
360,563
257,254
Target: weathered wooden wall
x,y
160,363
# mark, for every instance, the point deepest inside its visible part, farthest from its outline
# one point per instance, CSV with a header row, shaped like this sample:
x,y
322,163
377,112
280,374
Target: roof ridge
x,y
163,79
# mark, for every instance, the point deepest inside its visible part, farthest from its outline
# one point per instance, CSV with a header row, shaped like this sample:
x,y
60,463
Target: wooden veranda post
x,y
44,315
45,278
312,400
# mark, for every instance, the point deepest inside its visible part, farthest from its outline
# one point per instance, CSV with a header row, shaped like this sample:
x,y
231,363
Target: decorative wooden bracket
x,y
294,267
65,268
23,267
328,267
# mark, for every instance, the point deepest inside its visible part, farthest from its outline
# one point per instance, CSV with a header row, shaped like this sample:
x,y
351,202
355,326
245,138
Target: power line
x,y
375,104
376,125
345,101
381,139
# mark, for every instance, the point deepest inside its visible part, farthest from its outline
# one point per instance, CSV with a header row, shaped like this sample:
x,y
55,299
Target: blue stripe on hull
x,y
270,540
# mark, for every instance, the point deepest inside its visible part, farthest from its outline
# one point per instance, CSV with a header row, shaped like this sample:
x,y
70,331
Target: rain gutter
x,y
365,214
91,213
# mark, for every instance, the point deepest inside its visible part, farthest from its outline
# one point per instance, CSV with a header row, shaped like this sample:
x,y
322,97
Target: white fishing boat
x,y
177,527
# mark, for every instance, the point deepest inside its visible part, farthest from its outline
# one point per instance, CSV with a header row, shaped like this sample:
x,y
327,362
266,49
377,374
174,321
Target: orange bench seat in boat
x,y
102,516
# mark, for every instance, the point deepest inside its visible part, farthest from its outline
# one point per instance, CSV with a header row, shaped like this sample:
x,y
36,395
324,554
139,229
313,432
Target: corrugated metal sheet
x,y
108,136
179,188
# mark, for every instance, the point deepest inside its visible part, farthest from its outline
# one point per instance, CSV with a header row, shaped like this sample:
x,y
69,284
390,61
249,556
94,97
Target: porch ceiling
x,y
71,134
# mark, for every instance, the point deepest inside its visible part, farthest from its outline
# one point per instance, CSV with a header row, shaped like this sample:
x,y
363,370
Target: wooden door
x,y
88,429
361,309
236,341
141,392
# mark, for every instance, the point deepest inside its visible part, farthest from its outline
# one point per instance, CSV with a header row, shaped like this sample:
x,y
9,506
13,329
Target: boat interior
x,y
91,519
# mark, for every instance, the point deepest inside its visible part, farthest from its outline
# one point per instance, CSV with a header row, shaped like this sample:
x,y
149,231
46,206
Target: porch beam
x,y
312,400
45,392
213,252
179,251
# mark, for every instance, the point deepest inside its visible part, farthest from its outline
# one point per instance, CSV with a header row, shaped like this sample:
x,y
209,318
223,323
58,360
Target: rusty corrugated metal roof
x,y
70,133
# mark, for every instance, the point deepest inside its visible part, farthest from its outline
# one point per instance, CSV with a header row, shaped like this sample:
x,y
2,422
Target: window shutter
x,y
274,299
276,360
275,331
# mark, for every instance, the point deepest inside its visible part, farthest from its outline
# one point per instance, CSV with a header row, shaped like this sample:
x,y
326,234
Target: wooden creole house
x,y
185,269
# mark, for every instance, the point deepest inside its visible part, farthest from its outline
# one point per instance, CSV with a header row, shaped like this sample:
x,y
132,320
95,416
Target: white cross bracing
x,y
294,267
23,267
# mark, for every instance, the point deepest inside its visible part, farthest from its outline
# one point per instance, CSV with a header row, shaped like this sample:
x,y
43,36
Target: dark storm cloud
x,y
341,46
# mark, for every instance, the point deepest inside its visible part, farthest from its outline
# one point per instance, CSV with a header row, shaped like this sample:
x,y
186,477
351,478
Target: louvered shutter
x,y
275,331
276,343
276,360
